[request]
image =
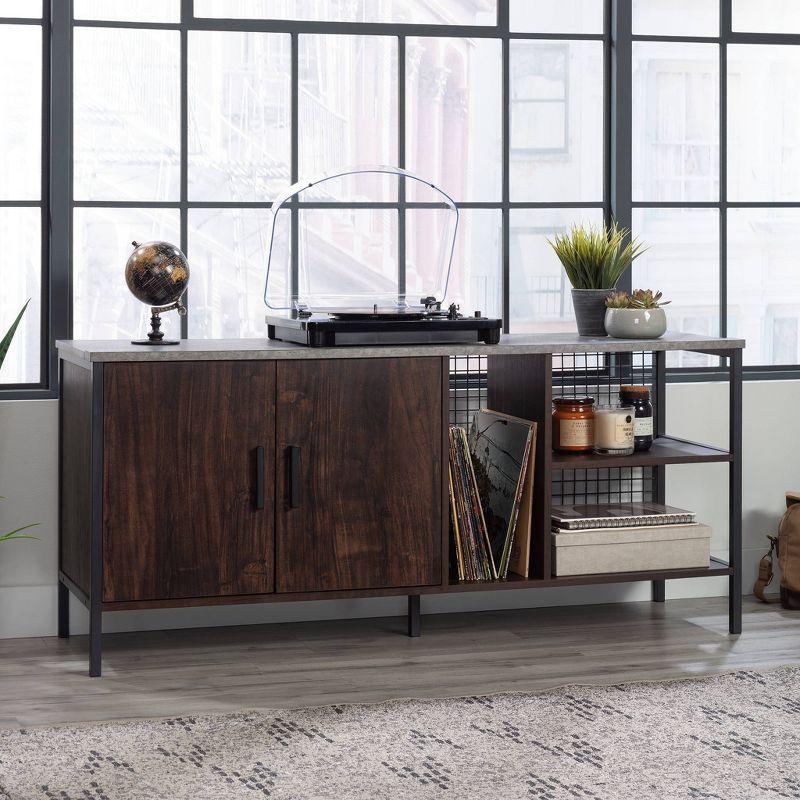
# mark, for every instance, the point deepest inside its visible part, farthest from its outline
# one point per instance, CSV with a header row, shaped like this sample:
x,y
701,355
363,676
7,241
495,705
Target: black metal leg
x,y
659,591
735,495
95,534
735,601
63,611
95,640
659,588
413,615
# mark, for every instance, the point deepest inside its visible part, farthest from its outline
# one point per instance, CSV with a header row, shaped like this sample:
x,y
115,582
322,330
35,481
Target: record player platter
x,y
378,313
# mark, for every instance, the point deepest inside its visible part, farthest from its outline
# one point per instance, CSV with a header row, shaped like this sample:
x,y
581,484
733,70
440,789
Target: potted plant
x,y
594,259
638,316
5,343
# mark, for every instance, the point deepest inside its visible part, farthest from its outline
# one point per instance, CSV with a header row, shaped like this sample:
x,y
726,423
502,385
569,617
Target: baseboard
x,y
27,611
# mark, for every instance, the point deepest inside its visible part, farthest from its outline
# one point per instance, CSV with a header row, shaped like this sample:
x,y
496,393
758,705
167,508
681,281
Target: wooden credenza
x,y
252,471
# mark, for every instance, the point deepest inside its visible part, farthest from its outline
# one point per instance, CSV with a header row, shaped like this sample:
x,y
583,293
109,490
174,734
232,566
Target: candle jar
x,y
639,398
573,424
613,430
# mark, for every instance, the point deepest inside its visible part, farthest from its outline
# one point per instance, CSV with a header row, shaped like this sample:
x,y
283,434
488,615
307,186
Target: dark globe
x,y
157,273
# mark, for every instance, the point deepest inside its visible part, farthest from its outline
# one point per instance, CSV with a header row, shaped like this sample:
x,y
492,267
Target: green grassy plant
x,y
595,257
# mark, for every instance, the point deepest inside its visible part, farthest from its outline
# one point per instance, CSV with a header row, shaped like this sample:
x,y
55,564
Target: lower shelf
x,y
715,568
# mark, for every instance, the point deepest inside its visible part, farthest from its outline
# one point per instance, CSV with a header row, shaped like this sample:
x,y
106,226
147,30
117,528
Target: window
x,y
23,190
723,241
229,137
187,117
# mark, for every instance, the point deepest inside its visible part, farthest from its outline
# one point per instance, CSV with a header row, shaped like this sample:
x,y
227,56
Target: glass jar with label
x,y
573,424
613,430
639,398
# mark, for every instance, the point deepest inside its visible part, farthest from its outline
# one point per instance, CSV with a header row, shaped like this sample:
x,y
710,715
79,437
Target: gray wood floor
x,y
44,680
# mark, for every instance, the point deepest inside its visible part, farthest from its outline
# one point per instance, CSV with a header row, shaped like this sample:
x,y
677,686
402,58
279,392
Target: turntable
x,y
331,296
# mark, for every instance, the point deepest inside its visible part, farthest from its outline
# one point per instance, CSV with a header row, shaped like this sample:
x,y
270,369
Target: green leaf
x,y
5,343
17,533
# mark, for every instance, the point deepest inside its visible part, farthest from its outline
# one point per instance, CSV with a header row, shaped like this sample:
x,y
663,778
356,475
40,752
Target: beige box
x,y
653,547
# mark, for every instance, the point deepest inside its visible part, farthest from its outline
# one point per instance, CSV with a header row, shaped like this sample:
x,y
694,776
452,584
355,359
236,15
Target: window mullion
x,y
621,149
186,16
59,168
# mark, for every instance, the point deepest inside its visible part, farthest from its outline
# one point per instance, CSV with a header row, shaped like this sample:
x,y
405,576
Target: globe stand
x,y
155,335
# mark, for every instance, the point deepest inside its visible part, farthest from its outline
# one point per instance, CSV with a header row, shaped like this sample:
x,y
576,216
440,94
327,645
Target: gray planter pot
x,y
636,323
590,310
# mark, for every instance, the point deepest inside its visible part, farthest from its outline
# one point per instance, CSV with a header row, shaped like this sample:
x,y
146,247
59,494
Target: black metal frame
x,y
467,393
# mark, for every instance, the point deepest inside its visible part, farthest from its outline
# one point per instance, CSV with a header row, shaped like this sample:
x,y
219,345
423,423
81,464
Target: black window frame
x,y
50,325
617,39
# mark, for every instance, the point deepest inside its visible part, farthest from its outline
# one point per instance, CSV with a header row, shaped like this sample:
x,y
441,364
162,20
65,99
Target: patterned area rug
x,y
724,738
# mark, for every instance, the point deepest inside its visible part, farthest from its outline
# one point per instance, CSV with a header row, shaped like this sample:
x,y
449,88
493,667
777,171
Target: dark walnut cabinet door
x,y
359,474
189,475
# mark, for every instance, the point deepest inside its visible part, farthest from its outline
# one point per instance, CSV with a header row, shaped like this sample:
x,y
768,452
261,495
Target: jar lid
x,y
634,391
573,401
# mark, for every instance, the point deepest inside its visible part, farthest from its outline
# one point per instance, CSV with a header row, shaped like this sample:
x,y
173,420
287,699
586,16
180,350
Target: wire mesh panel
x,y
597,375
467,388
600,375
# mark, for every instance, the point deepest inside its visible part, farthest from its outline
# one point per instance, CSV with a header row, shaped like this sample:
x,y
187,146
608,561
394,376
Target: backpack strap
x,y
766,573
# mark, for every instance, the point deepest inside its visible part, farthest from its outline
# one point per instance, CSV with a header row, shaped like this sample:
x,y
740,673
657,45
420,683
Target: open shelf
x,y
665,450
715,568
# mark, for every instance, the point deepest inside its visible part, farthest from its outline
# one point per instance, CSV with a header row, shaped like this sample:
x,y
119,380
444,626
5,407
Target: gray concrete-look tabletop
x,y
264,349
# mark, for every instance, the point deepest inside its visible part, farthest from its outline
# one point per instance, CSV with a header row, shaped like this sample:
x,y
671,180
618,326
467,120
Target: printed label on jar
x,y
623,430
577,432
643,426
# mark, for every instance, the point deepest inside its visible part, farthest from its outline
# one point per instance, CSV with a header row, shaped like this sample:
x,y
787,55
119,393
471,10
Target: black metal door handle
x,y
259,477
294,476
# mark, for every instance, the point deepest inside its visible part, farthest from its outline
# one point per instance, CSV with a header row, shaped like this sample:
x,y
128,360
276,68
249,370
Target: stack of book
x,y
491,491
626,537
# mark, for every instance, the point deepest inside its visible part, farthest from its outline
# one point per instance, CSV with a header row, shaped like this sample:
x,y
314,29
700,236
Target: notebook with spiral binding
x,y
617,515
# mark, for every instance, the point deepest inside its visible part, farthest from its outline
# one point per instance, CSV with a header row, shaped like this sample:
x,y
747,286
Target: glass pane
x,y
682,261
763,289
239,115
21,112
129,10
539,291
454,115
21,8
676,17
556,16
675,122
228,257
556,121
20,233
766,16
464,12
763,123
348,107
126,114
475,278
103,307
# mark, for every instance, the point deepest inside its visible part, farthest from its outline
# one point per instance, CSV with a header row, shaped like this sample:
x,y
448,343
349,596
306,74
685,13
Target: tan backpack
x,y
787,545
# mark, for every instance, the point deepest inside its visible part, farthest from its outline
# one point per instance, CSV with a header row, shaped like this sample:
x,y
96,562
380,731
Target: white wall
x,y
28,478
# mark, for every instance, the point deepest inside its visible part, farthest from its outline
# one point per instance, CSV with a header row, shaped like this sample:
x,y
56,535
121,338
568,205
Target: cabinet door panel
x,y
359,447
181,467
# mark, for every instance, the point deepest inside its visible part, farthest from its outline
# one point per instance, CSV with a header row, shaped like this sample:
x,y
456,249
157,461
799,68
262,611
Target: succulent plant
x,y
594,257
645,298
618,300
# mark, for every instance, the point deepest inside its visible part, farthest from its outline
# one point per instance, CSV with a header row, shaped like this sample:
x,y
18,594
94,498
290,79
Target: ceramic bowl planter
x,y
590,310
635,323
